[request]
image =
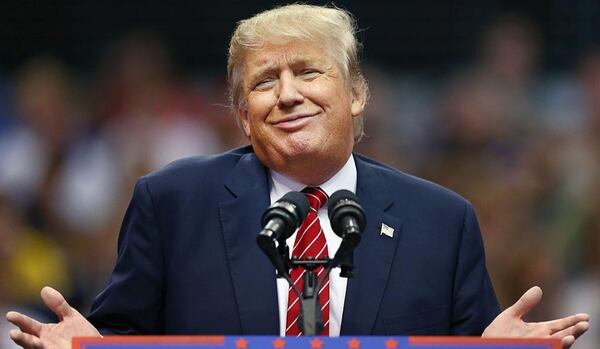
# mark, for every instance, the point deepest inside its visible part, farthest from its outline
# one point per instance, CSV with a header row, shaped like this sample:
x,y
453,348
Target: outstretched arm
x,y
33,334
510,322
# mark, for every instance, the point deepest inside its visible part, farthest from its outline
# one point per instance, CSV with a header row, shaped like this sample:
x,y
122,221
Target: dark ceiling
x,y
422,35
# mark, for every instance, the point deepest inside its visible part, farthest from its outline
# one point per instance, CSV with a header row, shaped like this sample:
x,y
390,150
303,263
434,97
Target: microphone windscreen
x,y
287,213
339,195
342,205
300,201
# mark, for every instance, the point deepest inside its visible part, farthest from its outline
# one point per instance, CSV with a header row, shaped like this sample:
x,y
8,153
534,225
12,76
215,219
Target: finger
x,y
25,340
566,322
567,342
24,322
526,303
574,331
56,302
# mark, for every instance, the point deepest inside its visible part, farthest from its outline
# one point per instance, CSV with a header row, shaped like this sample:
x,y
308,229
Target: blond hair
x,y
331,27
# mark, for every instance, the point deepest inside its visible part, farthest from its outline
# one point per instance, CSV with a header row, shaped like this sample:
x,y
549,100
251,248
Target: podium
x,y
273,342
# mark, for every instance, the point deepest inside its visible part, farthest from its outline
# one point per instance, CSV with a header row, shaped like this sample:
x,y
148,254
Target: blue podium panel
x,y
268,342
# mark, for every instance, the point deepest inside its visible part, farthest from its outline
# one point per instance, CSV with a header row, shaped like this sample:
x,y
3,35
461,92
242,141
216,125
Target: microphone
x,y
282,218
347,220
345,214
279,222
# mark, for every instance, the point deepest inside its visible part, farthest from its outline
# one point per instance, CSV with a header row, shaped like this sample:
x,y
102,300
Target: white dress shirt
x,y
281,185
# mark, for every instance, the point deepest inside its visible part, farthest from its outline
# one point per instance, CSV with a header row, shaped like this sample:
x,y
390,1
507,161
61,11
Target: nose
x,y
289,95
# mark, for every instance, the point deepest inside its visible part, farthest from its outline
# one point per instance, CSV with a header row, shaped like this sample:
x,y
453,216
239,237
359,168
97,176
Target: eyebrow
x,y
264,69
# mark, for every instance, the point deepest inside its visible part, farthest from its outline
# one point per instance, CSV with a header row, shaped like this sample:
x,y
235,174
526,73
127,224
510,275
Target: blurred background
x,y
497,100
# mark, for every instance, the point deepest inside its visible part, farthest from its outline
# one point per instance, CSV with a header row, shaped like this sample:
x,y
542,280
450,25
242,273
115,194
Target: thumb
x,y
56,302
526,303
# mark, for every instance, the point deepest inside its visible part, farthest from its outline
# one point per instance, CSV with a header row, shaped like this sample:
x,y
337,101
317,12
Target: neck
x,y
310,171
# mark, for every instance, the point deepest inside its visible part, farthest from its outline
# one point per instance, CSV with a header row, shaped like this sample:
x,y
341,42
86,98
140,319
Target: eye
x,y
309,73
264,84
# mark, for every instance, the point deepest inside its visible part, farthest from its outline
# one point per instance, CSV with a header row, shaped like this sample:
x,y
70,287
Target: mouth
x,y
294,122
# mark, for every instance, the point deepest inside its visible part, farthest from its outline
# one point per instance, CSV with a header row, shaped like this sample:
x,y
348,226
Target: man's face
x,y
299,110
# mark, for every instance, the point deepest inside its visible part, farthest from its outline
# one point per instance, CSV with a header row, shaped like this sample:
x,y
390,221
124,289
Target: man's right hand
x,y
36,335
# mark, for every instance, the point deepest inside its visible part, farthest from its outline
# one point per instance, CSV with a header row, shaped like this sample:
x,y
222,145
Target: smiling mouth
x,y
294,122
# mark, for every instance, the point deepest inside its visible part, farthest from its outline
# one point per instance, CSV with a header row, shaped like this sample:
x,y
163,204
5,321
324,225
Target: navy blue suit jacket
x,y
188,262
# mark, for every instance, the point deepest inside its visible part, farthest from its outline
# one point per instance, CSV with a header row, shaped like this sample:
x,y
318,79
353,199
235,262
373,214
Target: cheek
x,y
330,94
259,106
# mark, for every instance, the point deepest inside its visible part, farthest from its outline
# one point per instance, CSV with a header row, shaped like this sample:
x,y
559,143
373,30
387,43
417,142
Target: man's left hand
x,y
510,322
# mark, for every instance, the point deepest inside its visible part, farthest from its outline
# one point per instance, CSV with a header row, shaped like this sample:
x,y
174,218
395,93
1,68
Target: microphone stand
x,y
310,319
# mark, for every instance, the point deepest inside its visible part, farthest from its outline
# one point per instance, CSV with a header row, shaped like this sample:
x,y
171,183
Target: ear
x,y
242,114
359,99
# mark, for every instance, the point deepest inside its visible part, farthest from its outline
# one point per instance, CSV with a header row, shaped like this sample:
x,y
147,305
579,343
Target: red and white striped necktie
x,y
310,242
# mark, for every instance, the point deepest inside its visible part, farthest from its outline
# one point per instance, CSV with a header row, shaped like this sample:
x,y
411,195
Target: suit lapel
x,y
374,255
252,274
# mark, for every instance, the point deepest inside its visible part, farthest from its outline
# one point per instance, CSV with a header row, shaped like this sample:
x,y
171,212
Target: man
x,y
188,263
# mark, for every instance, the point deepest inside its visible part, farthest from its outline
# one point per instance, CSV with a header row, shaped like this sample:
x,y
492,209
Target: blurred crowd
x,y
521,143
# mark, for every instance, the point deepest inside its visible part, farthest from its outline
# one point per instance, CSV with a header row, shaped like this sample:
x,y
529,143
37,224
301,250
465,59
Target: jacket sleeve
x,y
132,303
474,303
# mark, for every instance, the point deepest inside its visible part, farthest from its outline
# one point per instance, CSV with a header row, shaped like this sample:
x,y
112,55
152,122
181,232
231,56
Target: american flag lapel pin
x,y
386,230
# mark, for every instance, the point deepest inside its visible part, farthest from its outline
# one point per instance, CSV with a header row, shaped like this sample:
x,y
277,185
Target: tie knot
x,y
316,197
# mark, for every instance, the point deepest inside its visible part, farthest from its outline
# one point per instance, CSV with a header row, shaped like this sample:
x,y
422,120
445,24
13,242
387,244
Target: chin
x,y
298,144
305,150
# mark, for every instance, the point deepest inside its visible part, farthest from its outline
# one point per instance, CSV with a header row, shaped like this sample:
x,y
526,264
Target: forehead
x,y
293,52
